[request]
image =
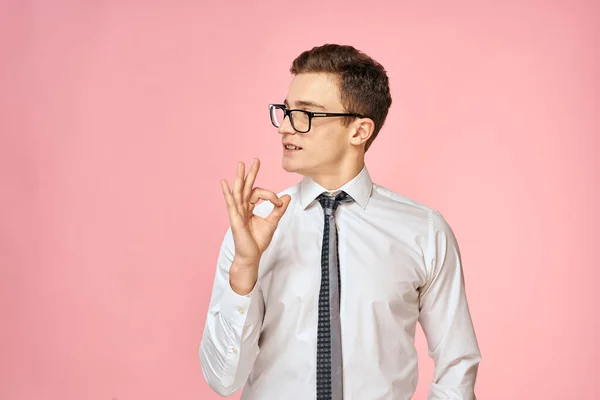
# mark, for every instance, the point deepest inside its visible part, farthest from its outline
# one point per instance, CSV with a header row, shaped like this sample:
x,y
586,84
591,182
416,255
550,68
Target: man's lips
x,y
290,146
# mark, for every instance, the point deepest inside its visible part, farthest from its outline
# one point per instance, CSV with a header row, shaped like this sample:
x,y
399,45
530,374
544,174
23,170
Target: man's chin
x,y
287,167
290,166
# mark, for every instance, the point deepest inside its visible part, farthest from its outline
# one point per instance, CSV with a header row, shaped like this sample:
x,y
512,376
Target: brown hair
x,y
362,81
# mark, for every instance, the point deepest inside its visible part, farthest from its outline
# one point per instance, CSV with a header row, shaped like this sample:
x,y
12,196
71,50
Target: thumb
x,y
278,211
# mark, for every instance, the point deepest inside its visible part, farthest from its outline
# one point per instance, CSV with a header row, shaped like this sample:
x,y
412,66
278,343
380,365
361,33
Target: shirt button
x,y
241,310
235,350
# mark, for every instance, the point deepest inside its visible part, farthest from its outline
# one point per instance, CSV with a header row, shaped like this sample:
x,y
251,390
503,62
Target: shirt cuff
x,y
441,392
239,309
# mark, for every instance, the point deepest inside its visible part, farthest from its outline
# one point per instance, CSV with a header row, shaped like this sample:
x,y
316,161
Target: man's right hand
x,y
251,234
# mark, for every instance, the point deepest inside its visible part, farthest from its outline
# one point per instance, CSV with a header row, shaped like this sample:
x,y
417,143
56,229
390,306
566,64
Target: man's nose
x,y
286,127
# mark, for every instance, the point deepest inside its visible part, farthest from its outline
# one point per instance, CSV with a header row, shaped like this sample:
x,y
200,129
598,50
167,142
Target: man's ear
x,y
363,129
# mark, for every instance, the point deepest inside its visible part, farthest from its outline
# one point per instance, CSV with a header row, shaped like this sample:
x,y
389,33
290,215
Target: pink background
x,y
118,118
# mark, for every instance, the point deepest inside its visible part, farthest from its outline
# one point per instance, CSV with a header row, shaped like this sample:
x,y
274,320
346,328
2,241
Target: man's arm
x,y
229,344
445,317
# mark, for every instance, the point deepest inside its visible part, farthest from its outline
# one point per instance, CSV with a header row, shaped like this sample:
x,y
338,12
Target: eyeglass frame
x,y
311,114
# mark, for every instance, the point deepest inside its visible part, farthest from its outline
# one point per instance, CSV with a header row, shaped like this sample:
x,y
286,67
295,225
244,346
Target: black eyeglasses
x,y
300,119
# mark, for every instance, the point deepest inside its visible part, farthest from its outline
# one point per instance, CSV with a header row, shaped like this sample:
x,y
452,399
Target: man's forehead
x,y
313,90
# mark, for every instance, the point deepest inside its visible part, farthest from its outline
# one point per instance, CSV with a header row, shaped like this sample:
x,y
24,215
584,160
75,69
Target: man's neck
x,y
334,179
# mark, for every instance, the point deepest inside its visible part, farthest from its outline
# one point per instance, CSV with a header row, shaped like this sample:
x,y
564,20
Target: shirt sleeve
x,y
229,345
445,317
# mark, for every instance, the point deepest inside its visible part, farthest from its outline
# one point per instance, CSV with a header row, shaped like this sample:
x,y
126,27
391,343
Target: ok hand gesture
x,y
251,234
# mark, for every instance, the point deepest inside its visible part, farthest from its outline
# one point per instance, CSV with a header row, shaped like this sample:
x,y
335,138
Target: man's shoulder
x,y
424,215
389,195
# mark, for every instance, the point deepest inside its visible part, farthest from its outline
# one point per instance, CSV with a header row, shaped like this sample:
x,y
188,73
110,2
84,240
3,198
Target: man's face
x,y
325,146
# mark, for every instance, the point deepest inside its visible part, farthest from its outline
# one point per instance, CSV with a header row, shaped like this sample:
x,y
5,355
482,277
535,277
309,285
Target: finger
x,y
263,194
237,187
249,183
231,208
278,211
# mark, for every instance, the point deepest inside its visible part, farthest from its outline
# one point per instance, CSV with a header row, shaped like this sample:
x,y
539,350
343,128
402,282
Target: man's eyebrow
x,y
305,103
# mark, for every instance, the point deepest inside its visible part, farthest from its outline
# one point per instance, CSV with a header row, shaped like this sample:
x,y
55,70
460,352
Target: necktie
x,y
329,343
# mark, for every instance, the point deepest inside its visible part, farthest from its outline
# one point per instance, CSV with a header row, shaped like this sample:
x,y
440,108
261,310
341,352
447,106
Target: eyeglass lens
x,y
299,119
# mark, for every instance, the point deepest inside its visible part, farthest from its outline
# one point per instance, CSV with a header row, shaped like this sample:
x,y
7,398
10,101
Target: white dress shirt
x,y
399,264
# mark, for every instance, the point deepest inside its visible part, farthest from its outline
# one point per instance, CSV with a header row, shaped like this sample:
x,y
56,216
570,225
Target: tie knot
x,y
330,203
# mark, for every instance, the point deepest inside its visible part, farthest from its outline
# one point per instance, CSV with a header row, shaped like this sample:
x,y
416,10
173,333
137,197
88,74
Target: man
x,y
318,290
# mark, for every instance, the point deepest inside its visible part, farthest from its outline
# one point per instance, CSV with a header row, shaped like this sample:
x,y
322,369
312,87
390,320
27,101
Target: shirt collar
x,y
359,188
